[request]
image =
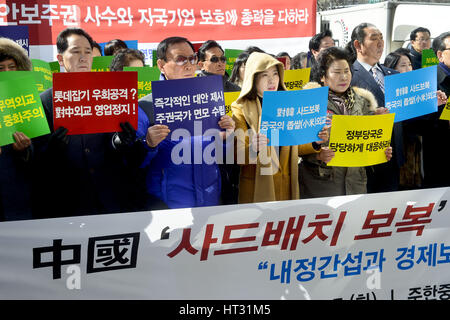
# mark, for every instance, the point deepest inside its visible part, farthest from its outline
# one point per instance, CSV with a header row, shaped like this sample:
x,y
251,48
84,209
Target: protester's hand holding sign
x,y
381,111
442,97
22,141
156,134
325,154
388,152
259,141
227,123
324,135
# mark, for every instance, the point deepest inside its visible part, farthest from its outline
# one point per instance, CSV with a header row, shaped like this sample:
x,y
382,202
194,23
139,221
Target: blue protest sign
x,y
293,117
178,103
17,33
411,94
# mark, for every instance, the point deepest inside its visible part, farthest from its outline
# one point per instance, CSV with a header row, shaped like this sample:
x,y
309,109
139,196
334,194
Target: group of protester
x,y
59,175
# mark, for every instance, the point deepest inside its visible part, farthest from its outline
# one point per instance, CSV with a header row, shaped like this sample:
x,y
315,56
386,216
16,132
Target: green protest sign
x,y
231,55
20,109
37,76
101,63
44,72
145,77
54,66
154,58
429,58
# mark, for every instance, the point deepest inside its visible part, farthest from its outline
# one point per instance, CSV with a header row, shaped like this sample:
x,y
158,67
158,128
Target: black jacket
x,y
416,59
228,86
82,178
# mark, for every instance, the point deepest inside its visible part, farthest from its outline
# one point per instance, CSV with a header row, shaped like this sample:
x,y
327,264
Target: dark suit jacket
x,y
363,79
82,178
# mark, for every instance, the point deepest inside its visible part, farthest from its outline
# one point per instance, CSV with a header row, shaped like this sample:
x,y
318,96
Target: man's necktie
x,y
378,78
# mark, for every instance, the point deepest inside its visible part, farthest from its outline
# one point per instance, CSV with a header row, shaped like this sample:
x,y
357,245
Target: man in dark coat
x,y
436,133
75,174
212,60
420,40
367,45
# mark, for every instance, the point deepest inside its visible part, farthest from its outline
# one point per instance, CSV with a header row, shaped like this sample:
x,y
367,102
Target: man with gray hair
x,y
367,47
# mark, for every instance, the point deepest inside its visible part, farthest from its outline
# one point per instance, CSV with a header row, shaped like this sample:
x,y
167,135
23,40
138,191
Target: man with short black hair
x,y
321,41
367,45
212,61
75,174
420,40
318,42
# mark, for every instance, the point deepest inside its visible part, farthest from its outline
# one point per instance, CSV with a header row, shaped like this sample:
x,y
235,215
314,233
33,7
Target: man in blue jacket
x,y
178,185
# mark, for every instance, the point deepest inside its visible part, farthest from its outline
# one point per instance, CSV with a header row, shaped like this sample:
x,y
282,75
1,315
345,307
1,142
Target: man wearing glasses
x,y
212,61
420,40
177,185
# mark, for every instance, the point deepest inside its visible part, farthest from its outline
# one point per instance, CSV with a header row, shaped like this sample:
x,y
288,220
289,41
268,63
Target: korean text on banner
x,y
20,109
231,55
445,115
360,141
145,77
230,97
180,103
296,79
17,33
294,117
152,22
369,246
411,94
94,102
101,63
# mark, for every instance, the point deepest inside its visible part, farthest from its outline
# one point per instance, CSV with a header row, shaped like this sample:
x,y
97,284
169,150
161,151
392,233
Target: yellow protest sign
x,y
296,79
360,141
230,97
445,115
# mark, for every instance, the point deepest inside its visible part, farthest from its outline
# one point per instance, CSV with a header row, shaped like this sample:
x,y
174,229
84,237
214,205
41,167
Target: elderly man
x,y
186,184
420,40
367,45
75,174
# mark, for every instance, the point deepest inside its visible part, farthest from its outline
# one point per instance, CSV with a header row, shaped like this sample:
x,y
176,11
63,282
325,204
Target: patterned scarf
x,y
344,102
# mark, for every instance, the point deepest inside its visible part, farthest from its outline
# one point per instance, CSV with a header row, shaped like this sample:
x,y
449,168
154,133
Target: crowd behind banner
x,y
60,174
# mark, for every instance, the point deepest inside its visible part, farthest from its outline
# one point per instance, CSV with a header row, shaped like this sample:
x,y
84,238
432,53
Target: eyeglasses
x,y
182,60
423,39
215,59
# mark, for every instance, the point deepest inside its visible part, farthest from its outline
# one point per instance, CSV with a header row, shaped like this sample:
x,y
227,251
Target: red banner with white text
x,y
151,21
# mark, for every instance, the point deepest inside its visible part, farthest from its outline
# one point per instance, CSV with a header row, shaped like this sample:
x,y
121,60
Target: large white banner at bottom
x,y
377,246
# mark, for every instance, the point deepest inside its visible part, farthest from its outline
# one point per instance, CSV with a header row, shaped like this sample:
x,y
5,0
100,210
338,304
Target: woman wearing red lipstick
x,y
315,177
271,176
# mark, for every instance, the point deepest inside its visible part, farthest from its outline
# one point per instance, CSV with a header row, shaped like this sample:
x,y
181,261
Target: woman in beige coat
x,y
266,175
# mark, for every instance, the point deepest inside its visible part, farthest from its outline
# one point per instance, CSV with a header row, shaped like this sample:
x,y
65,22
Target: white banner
x,y
375,246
